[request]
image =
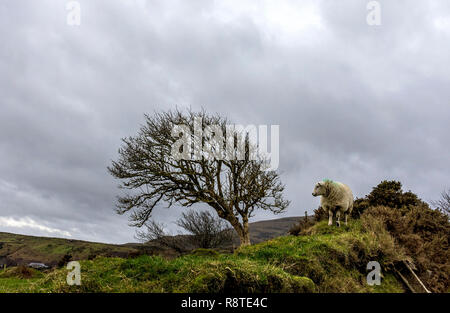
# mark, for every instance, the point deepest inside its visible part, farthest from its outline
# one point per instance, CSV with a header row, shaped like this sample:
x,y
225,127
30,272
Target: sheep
x,y
336,197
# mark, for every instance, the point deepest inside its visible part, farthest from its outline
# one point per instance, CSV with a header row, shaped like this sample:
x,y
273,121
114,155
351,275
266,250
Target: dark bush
x,y
359,206
320,214
424,234
64,260
301,225
390,194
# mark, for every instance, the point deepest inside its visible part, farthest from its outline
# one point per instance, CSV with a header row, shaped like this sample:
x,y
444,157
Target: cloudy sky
x,y
355,103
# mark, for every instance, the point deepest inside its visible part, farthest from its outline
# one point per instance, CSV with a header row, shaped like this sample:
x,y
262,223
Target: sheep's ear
x,y
319,184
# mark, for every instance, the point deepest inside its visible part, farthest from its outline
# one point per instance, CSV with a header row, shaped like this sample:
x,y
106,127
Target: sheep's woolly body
x,y
339,196
336,198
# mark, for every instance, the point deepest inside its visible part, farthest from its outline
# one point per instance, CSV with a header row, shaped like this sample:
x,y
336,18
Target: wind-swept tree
x,y
189,158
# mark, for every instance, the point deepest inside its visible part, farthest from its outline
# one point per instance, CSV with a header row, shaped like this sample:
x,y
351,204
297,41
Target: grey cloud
x,y
354,103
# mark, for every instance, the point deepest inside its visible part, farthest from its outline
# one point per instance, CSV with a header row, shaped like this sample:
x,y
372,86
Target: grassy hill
x,y
328,259
20,249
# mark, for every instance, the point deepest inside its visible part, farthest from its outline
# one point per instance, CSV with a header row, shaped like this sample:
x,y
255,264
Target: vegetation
x,y
393,227
328,259
204,230
443,204
20,249
419,233
304,224
223,170
424,235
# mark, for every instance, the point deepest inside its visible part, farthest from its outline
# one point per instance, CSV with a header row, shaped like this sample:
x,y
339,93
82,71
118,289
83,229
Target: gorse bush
x,y
423,234
320,214
386,193
390,194
420,232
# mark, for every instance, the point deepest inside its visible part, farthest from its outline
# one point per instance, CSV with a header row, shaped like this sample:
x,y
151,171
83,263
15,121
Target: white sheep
x,y
336,197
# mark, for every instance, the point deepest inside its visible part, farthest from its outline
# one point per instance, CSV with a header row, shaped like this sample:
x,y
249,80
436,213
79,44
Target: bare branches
x,y
207,231
155,233
444,202
150,175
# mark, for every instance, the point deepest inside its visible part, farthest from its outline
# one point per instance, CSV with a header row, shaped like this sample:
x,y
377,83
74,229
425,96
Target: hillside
x,y
328,259
20,249
265,230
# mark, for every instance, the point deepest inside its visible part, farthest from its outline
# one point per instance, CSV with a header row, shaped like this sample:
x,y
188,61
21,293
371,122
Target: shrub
x,y
320,214
301,226
359,206
390,194
424,235
21,271
207,230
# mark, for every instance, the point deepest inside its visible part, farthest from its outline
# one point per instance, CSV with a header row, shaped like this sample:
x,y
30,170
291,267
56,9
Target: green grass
x,y
334,258
329,259
185,274
15,284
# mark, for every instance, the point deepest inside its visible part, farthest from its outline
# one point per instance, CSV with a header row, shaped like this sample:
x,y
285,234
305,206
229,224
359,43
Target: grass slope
x,y
327,260
20,249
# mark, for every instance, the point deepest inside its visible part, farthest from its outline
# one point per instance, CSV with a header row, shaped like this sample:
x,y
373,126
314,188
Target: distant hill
x,y
265,230
20,249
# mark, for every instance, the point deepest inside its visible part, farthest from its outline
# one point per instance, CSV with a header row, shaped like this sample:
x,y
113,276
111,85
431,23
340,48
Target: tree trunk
x,y
245,239
242,231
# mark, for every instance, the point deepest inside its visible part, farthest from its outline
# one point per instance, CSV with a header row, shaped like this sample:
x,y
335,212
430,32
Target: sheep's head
x,y
320,189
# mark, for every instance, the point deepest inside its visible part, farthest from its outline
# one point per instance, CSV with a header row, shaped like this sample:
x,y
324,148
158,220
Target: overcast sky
x,y
355,103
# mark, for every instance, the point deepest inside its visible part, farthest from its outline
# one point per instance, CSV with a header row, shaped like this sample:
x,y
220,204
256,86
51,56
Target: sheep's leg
x,y
346,216
330,217
338,217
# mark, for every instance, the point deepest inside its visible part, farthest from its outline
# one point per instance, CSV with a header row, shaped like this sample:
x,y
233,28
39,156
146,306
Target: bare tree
x,y
206,230
155,232
234,187
444,202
